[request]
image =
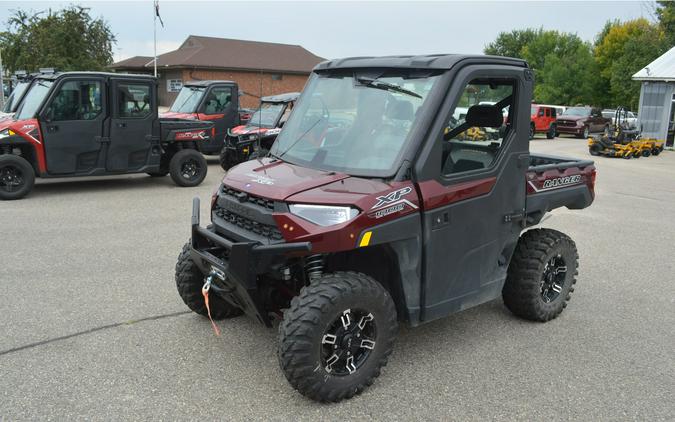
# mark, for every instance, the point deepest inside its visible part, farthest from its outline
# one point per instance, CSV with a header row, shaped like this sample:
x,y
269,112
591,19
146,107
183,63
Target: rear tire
x,y
551,132
190,280
188,168
17,177
541,275
646,152
336,336
656,151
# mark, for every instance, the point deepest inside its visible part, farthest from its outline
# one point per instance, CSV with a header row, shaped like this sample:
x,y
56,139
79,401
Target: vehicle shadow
x,y
53,187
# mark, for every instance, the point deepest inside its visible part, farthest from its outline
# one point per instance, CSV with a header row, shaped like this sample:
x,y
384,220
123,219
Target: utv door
x,y
474,192
220,107
72,123
131,126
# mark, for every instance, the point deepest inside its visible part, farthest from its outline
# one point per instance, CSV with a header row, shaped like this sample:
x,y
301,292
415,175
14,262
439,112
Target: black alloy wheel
x,y
348,341
553,278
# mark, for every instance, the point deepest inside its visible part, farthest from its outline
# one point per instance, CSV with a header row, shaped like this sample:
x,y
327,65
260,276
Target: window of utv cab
x,y
474,140
359,124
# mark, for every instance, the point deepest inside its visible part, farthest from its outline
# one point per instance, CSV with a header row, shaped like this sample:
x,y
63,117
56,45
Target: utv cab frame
x,y
371,210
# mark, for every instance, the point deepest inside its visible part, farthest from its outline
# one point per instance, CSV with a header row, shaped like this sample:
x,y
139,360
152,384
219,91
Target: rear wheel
x,y
336,336
16,177
595,149
541,275
637,154
551,132
656,151
188,168
189,281
646,152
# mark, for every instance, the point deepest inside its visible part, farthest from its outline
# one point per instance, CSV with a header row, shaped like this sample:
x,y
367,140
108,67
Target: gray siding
x,y
654,112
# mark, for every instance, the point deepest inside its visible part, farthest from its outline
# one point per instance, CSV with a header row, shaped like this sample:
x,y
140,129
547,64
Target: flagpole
x,y
154,32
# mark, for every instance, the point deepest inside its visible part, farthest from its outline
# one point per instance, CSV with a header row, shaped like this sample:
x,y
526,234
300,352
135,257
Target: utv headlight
x,y
324,215
6,133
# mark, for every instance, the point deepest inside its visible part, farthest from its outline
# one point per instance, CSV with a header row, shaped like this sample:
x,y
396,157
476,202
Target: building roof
x,y
661,69
222,53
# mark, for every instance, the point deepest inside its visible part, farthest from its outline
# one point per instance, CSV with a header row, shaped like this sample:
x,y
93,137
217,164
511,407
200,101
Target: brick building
x,y
280,67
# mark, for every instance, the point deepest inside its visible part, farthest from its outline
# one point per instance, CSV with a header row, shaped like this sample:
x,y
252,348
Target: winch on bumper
x,y
235,277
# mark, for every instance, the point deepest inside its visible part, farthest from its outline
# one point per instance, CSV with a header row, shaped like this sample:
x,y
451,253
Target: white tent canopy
x,y
661,69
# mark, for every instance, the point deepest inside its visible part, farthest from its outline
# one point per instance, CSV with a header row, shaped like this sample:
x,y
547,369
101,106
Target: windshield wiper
x,y
386,86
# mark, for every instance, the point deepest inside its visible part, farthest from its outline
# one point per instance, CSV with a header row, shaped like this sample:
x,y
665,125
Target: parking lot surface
x,y
93,328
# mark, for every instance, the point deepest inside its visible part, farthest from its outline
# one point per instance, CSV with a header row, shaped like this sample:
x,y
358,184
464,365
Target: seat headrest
x,y
400,110
484,116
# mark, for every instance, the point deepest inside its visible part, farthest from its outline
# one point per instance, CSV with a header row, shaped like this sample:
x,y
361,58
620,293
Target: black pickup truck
x,y
92,124
372,209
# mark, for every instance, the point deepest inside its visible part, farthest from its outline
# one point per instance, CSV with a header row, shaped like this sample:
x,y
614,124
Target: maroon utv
x,y
371,211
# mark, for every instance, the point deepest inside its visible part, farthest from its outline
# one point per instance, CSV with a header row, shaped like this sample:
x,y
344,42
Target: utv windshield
x,y
267,115
577,111
12,101
33,99
354,123
187,100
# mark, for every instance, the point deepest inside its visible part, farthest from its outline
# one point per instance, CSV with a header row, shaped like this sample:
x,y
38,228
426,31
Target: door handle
x,y
52,128
122,125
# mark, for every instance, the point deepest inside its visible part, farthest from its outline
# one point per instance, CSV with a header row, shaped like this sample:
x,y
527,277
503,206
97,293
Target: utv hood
x,y
281,181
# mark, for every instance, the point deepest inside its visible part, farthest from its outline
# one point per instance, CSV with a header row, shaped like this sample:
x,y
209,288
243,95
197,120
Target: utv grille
x,y
265,230
246,197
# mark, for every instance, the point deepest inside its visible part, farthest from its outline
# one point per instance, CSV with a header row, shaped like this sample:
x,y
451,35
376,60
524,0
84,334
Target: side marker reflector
x,y
365,240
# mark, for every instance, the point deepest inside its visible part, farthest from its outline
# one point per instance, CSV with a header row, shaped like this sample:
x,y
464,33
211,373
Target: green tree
x,y
622,49
68,39
562,62
665,11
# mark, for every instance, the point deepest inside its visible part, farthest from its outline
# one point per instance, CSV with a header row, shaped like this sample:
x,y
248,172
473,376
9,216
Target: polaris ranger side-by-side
x,y
92,124
255,138
371,211
213,101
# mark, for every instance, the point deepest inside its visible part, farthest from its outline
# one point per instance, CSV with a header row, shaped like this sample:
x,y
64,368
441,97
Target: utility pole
x,y
2,84
154,32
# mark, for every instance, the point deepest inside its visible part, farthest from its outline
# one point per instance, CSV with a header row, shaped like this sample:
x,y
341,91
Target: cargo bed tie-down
x,y
234,278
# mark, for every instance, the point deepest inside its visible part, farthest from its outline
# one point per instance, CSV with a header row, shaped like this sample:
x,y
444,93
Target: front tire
x,y
227,159
17,177
336,336
189,282
188,168
541,275
551,132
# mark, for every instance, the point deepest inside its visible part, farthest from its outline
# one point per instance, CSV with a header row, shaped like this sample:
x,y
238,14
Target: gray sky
x,y
339,29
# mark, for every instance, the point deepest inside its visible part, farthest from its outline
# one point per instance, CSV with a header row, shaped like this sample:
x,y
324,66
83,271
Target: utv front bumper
x,y
237,271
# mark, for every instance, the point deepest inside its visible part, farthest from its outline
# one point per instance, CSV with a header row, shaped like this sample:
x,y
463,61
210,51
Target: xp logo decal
x,y
392,202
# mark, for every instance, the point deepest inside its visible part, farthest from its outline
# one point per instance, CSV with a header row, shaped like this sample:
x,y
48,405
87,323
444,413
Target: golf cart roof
x,y
281,98
207,83
430,62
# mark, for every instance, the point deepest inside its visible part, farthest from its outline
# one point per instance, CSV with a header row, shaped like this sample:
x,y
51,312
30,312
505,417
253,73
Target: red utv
x,y
370,210
543,120
94,124
255,138
213,101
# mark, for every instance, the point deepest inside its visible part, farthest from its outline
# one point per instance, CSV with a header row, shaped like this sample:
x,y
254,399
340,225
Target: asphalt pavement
x,y
92,326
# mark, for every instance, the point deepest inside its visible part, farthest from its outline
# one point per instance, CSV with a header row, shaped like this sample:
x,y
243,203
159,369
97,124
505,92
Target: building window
x,y
277,76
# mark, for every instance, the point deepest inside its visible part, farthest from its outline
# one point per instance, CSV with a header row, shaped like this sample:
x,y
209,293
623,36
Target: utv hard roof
x,y
432,62
54,76
207,83
281,98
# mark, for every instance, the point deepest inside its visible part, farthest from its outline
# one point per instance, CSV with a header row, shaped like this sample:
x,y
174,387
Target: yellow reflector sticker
x,y
365,240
